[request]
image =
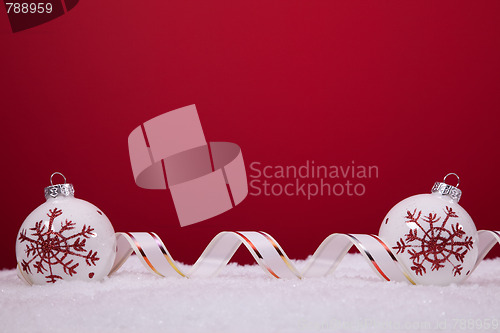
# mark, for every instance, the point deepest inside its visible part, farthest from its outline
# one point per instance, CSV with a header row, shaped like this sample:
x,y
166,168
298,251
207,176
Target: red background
x,y
410,86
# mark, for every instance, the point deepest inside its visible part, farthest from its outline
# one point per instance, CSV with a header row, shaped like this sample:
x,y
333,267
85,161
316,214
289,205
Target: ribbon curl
x,y
270,256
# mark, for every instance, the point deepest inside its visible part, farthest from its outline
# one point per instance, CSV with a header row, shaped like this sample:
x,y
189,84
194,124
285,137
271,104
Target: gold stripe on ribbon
x,y
393,257
143,255
163,250
254,248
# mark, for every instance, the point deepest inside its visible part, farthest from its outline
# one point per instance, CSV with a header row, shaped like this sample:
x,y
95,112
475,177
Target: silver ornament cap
x,y
54,191
448,190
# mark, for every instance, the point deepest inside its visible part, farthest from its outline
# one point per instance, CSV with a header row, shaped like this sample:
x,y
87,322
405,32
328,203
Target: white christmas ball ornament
x,y
432,236
65,238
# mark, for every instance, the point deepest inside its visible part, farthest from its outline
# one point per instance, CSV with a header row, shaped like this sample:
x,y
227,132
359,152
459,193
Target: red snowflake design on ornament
x,y
438,245
49,247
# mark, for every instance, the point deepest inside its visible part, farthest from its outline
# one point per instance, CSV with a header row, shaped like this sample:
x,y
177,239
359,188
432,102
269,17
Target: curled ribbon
x,y
170,151
270,256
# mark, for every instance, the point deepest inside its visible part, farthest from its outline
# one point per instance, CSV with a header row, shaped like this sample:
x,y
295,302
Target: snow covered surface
x,y
245,299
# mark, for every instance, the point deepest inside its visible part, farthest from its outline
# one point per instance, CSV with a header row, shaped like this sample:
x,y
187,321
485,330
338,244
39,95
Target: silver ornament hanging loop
x,y
58,173
452,174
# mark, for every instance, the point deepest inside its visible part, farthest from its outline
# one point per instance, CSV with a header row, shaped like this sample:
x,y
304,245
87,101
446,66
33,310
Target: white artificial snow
x,y
245,299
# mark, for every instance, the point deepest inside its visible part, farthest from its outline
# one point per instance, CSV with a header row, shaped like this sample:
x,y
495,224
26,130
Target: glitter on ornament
x,y
438,245
52,248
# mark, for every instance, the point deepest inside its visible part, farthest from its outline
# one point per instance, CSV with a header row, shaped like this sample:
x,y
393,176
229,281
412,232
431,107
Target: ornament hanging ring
x,y
56,173
444,179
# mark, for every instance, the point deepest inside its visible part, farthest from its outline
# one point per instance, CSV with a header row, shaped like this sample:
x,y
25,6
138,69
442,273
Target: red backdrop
x,y
412,87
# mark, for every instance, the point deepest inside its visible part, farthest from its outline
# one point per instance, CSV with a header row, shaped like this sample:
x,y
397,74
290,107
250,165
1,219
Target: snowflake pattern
x,y
438,245
48,247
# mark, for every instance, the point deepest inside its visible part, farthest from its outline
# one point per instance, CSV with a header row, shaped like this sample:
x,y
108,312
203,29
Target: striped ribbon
x,y
270,256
